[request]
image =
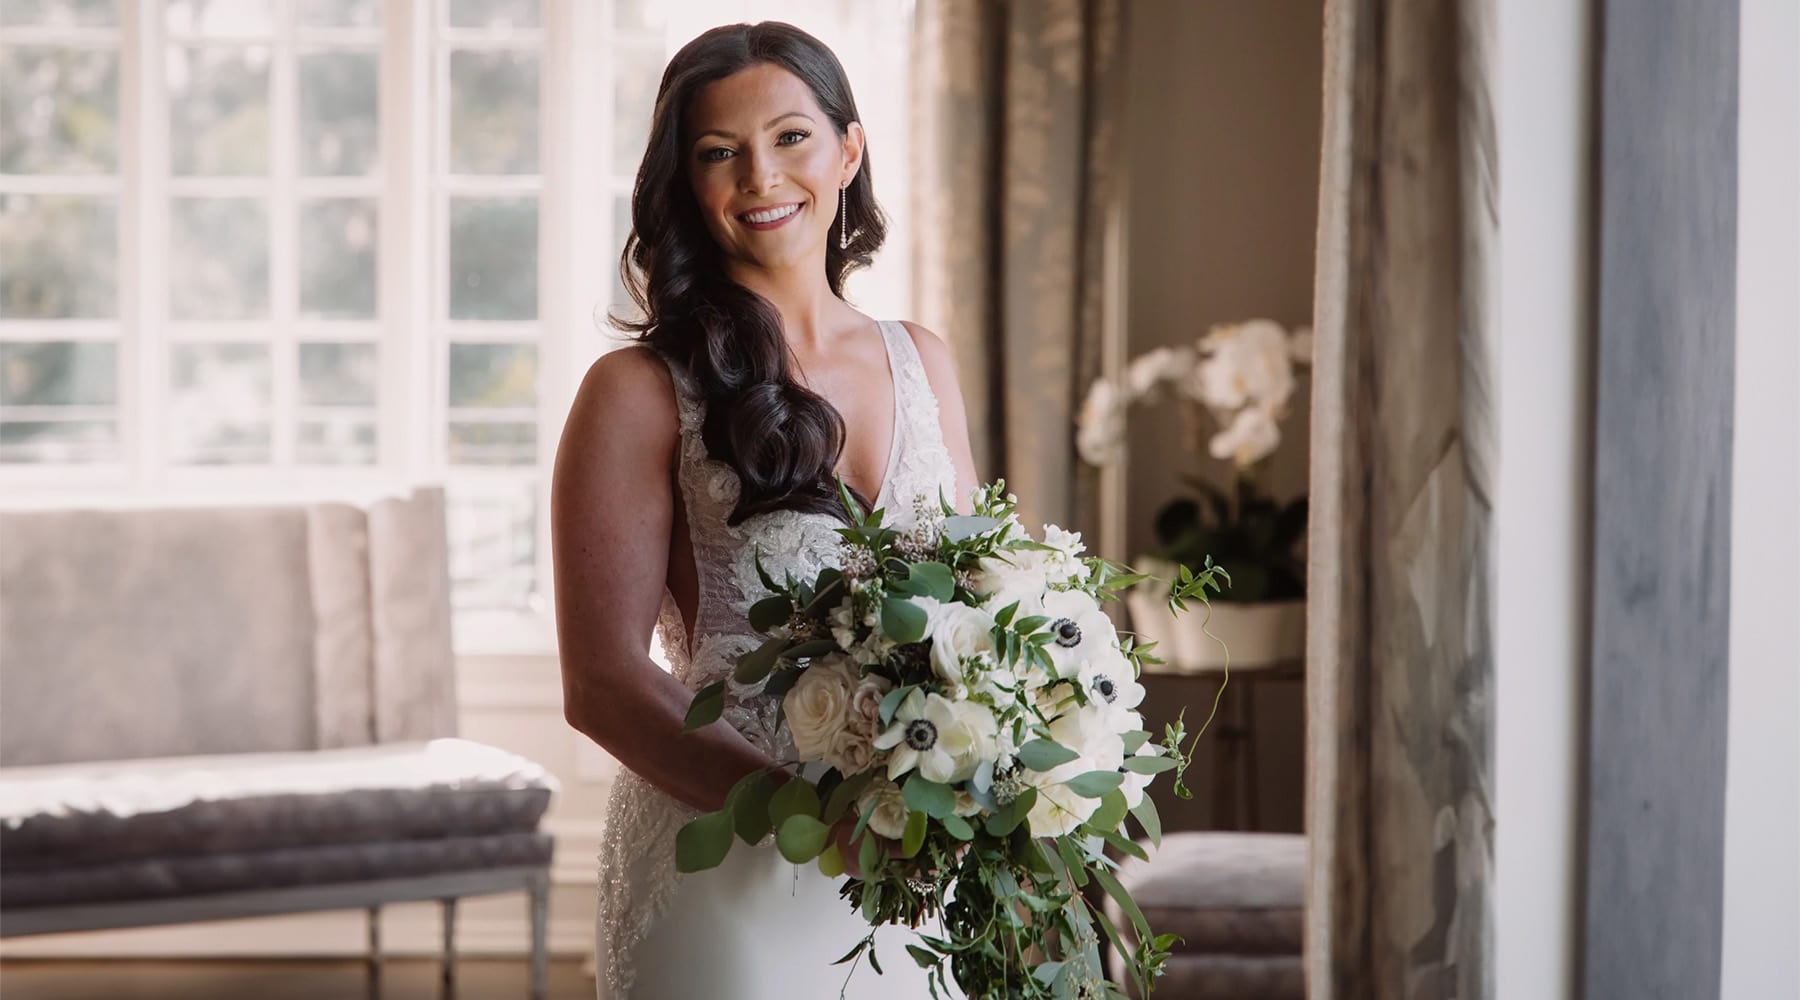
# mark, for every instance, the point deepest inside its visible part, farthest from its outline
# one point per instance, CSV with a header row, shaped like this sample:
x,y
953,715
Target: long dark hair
x,y
782,439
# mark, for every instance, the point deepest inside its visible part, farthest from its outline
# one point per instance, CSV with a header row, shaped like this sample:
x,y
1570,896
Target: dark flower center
x,y
921,734
1068,634
1106,689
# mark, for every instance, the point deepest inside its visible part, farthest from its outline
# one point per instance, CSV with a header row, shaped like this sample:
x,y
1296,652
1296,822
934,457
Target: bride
x,y
720,437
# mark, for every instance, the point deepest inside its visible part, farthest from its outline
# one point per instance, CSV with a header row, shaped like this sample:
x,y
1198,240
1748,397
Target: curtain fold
x,y
1016,169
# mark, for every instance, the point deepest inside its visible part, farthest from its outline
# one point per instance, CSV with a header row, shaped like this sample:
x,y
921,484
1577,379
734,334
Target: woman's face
x,y
766,166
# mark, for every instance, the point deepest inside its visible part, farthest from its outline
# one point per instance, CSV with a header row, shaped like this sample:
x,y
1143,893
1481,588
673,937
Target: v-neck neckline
x,y
893,454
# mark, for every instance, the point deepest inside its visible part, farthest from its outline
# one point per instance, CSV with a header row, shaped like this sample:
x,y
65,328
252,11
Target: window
x,y
263,248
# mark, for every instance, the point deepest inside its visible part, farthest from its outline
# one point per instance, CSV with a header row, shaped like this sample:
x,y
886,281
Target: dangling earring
x,y
844,217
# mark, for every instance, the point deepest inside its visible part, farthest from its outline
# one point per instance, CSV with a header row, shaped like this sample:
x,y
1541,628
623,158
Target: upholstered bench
x,y
217,712
1237,901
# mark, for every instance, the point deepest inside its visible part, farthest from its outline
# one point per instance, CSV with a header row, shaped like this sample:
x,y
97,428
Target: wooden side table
x,y
1235,802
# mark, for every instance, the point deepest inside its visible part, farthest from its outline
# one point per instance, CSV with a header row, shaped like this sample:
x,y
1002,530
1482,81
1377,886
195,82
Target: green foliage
x,y
1249,531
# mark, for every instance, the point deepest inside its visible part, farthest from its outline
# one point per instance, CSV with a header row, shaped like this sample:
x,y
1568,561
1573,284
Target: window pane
x,y
219,110
492,442
493,112
638,15
59,257
219,17
219,403
494,14
59,13
59,110
347,438
621,304
62,441
493,545
333,374
493,375
59,373
338,275
218,258
636,73
340,13
493,258
340,94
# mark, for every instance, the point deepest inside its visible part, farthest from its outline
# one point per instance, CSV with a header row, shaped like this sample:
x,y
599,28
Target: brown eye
x,y
715,154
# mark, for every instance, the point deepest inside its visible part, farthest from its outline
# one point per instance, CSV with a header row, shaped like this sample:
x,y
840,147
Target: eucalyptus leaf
x,y
1077,865
800,838
707,706
844,795
780,682
1147,764
1124,845
929,797
796,797
868,854
1126,903
1111,811
1147,817
934,578
703,842
963,527
1042,755
749,805
808,649
902,620
1093,784
914,836
890,702
1137,737
831,862
958,827
770,612
923,957
756,664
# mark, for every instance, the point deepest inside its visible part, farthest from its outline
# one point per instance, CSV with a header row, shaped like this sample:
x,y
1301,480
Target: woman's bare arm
x,y
940,371
612,508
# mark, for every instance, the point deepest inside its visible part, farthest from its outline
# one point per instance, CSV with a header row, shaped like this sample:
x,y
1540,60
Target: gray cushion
x,y
280,868
66,815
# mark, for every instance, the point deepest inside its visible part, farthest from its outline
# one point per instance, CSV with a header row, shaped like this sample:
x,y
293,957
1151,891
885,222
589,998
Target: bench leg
x,y
374,920
540,926
449,978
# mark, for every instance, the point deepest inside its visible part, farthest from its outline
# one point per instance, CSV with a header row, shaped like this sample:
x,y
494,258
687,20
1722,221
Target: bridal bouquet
x,y
975,710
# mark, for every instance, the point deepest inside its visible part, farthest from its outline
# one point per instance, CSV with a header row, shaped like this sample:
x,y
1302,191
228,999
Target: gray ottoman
x,y
1236,900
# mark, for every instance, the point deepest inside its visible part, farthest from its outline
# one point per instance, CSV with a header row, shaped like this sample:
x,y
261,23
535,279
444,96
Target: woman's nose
x,y
759,172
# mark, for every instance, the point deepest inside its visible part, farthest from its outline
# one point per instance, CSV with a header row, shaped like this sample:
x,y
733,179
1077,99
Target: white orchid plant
x,y
976,713
1241,376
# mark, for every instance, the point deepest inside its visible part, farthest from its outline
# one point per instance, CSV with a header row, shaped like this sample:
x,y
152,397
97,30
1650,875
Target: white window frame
x,y
577,254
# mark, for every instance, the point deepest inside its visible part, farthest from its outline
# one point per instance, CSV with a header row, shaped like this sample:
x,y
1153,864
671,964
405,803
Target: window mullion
x,y
145,268
284,209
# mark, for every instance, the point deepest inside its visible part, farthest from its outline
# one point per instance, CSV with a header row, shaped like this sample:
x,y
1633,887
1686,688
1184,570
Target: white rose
x,y
1013,576
853,749
889,818
815,706
957,631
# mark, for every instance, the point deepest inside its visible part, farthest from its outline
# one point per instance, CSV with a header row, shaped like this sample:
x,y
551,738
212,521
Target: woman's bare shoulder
x,y
627,398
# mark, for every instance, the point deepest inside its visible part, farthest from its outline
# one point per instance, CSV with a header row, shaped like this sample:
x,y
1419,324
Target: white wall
x,y
1542,525
1762,780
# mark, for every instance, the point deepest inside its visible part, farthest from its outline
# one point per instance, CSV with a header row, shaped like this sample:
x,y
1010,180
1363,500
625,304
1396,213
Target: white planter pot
x,y
1260,634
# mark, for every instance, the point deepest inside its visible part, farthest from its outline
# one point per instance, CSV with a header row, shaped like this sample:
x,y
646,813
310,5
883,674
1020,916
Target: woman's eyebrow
x,y
721,133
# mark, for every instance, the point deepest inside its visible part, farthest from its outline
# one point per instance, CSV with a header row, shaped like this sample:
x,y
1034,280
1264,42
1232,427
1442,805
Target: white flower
x,y
1007,577
889,818
815,706
1135,783
1250,437
1058,810
944,739
1068,544
957,631
1246,364
853,749
1300,345
1082,631
1111,689
843,623
1101,424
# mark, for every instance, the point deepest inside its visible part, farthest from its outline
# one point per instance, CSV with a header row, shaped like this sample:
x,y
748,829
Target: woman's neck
x,y
811,314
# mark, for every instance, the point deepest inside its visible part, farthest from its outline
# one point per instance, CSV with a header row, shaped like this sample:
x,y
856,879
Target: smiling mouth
x,y
769,218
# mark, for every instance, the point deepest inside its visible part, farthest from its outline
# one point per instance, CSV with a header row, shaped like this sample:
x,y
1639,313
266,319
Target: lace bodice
x,y
789,542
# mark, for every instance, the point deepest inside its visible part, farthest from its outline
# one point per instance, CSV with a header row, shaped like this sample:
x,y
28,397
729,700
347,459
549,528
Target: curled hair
x,y
782,439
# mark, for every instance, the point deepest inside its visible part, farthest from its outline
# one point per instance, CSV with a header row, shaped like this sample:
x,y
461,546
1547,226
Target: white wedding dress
x,y
756,927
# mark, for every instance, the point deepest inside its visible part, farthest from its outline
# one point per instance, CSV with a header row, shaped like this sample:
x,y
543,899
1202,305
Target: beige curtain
x,y
1016,169
1400,647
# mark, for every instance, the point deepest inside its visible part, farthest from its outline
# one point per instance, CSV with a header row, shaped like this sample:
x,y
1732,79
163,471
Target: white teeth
x,y
771,215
